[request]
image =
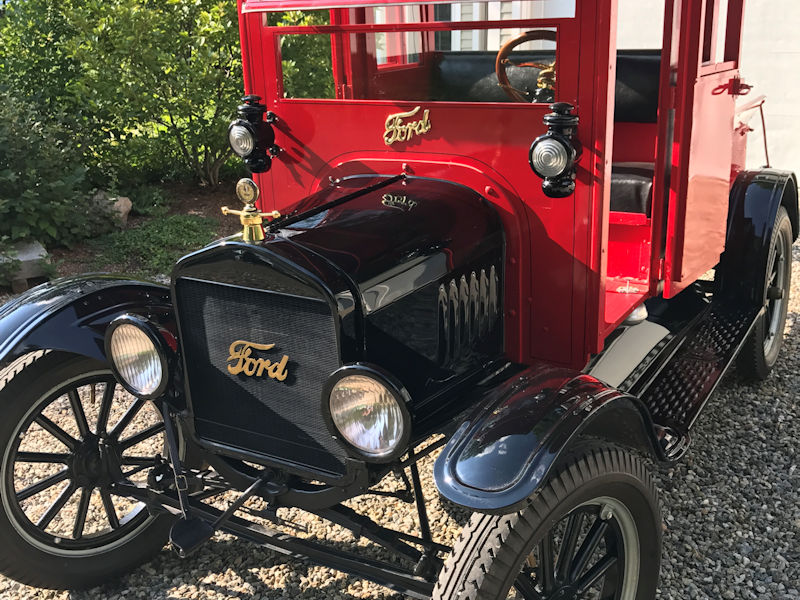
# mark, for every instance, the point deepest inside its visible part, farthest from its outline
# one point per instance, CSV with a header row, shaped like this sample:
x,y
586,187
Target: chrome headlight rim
x,y
162,351
401,396
569,151
247,126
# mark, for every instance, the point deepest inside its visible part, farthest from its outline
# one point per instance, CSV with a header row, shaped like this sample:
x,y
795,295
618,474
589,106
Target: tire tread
x,y
490,545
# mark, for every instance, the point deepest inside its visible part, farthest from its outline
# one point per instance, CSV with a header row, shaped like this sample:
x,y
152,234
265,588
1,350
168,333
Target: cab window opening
x,y
420,62
640,43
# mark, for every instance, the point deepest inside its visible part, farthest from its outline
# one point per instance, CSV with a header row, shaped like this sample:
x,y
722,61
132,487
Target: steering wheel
x,y
547,72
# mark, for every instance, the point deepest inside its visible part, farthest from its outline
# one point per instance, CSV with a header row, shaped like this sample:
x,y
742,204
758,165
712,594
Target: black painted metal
x,y
383,573
281,419
321,201
754,202
679,392
374,253
504,451
71,314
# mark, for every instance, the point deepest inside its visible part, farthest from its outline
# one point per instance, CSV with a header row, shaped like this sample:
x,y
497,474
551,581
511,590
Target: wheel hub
x,y
566,592
96,462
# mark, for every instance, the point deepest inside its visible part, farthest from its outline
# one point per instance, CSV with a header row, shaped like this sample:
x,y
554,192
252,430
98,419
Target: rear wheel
x,y
68,432
761,349
592,532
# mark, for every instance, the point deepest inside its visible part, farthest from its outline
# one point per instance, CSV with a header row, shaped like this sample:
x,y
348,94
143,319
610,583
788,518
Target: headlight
x,y
550,157
241,139
138,356
369,412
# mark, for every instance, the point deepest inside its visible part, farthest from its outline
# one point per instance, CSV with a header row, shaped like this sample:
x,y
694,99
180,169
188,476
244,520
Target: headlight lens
x,y
367,414
137,359
242,140
550,158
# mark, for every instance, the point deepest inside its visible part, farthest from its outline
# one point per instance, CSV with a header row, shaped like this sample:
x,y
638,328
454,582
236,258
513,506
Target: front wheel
x,y
69,432
592,532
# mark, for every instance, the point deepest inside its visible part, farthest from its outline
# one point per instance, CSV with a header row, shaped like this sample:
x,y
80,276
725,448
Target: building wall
x,y
770,62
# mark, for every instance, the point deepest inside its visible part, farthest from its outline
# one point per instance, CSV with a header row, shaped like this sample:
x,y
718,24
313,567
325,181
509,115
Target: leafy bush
x,y
149,201
305,59
44,193
153,248
147,83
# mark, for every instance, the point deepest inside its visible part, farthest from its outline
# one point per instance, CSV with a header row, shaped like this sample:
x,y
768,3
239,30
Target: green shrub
x,y
150,85
305,59
152,248
149,201
44,193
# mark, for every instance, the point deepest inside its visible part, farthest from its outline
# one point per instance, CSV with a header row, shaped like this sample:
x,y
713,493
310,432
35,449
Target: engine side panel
x,y
427,258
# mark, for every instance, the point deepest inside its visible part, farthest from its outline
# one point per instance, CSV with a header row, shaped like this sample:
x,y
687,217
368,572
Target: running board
x,y
680,390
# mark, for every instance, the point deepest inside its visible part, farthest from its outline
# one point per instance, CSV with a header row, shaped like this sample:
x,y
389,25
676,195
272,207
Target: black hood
x,y
391,228
411,269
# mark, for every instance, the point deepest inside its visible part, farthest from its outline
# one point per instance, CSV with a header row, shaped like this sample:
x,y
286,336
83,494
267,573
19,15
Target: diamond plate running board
x,y
681,389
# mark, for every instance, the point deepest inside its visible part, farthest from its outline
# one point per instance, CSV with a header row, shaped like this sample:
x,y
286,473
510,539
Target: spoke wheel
x,y
593,552
761,350
70,433
593,532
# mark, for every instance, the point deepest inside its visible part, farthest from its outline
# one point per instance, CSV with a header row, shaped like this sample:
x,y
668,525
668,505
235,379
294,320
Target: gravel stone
x,y
731,515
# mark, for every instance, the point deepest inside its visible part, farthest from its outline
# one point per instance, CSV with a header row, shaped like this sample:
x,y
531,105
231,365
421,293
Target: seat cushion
x,y
632,187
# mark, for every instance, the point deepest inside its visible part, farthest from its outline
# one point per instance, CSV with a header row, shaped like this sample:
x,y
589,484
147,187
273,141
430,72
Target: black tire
x,y
31,555
763,346
490,554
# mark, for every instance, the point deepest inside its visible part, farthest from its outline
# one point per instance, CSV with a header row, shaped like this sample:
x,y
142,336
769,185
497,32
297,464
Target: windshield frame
x,y
565,28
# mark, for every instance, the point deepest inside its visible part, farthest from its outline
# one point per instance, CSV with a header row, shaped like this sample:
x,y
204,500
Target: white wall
x,y
770,62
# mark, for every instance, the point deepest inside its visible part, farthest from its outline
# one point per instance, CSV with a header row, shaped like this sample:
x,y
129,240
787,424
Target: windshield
x,y
422,52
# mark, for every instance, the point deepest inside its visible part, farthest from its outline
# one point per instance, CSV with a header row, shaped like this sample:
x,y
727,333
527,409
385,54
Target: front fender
x,y
504,452
72,314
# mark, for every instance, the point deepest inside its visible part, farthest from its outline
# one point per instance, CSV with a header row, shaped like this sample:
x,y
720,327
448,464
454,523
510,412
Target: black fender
x,y
755,199
503,453
71,314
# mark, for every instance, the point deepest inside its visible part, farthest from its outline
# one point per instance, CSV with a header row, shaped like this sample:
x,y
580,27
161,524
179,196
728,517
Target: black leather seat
x,y
632,187
638,81
470,77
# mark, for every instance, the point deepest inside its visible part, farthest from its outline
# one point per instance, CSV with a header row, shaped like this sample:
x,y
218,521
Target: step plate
x,y
678,393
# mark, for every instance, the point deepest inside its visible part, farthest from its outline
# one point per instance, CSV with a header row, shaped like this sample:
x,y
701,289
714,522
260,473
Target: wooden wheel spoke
x,y
147,461
80,415
56,431
42,457
126,419
567,552
83,510
142,435
546,566
56,507
111,512
105,407
525,586
594,574
42,485
589,545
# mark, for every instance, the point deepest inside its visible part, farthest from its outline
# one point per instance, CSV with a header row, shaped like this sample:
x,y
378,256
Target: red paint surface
x,y
574,272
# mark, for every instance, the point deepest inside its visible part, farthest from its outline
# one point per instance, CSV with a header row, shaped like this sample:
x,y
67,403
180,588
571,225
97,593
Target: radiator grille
x,y
281,419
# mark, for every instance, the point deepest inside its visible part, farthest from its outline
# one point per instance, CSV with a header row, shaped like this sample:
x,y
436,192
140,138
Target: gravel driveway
x,y
731,509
